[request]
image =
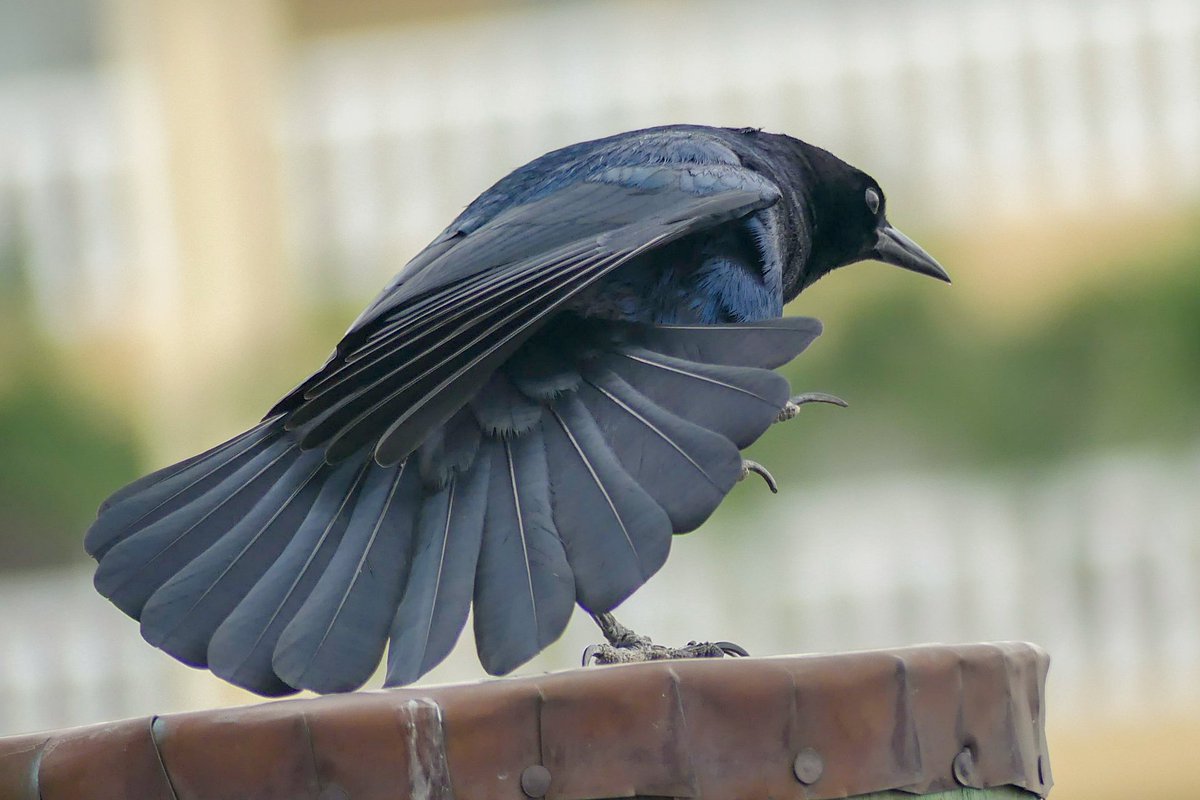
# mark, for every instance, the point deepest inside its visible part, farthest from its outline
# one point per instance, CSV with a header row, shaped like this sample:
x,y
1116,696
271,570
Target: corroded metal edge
x,y
919,720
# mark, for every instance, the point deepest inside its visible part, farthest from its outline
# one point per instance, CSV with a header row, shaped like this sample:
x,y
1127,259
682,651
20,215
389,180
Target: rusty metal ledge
x,y
919,720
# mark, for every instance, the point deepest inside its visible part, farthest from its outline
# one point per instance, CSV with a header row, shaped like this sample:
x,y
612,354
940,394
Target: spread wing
x,y
462,307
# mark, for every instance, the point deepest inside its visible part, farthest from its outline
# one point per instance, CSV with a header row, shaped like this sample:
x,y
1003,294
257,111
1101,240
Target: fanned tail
x,y
560,481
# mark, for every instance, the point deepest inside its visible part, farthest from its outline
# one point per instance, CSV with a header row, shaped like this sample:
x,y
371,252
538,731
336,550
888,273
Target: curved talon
x,y
792,407
731,649
589,653
749,466
819,397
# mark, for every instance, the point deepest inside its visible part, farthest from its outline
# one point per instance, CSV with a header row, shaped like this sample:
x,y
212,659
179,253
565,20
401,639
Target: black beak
x,y
894,248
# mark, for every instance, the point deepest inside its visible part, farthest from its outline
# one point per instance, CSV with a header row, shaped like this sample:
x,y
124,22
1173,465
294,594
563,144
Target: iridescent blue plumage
x,y
521,420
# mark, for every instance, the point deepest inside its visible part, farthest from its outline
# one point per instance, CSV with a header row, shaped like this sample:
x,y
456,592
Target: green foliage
x,y
1118,366
59,453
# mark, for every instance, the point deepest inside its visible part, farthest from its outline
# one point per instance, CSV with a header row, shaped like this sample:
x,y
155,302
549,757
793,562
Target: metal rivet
x,y
808,766
964,769
535,781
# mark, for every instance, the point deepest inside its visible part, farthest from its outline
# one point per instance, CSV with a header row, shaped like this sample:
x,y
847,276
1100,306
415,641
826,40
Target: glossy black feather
x,y
524,588
686,469
737,402
181,616
242,647
152,497
614,534
135,567
766,344
438,594
470,317
336,639
159,477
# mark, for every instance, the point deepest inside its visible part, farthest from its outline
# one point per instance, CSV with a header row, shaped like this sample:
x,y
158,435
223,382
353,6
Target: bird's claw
x,y
590,653
749,466
792,407
714,650
731,649
624,646
611,654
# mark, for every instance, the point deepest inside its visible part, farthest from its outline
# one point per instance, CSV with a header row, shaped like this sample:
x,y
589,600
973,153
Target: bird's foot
x,y
792,407
611,654
749,466
626,647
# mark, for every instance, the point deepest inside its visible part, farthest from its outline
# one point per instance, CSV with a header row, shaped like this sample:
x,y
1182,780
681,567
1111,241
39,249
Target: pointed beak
x,y
894,248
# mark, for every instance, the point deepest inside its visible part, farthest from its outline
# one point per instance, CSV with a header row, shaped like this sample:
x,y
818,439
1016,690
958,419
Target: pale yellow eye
x,y
873,201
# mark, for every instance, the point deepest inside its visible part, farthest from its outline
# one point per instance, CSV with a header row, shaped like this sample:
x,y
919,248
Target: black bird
x,y
520,421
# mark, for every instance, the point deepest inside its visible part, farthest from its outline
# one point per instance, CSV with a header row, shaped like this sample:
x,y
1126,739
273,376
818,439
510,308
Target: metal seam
x,y
162,762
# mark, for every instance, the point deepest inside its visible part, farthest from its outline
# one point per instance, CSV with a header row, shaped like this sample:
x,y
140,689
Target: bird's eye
x,y
873,201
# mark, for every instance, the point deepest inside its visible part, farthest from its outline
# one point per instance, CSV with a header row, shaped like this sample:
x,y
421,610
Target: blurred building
x,y
186,184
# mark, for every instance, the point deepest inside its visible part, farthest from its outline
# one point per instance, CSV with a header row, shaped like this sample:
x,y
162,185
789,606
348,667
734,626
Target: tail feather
x,y
134,568
737,402
438,595
524,588
160,475
767,344
242,647
336,639
687,469
152,497
614,534
181,616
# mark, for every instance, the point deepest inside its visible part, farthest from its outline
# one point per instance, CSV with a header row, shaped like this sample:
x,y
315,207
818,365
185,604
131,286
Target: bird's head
x,y
847,217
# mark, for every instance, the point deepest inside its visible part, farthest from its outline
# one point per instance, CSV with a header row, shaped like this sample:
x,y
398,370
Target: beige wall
x,y
203,93
320,17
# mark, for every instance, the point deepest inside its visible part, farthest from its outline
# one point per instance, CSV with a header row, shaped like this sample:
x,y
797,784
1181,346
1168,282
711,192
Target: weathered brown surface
x,y
920,720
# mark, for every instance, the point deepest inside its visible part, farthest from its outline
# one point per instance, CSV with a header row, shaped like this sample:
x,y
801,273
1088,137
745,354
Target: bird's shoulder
x,y
579,191
694,158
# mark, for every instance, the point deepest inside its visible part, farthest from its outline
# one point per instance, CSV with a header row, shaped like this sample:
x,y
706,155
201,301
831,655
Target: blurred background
x,y
197,197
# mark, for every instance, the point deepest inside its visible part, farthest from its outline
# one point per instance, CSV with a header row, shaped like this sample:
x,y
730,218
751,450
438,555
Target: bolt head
x,y
535,781
808,766
964,769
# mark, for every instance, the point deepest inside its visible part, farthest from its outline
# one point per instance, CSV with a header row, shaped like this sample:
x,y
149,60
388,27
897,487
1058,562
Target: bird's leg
x,y
625,646
617,634
792,407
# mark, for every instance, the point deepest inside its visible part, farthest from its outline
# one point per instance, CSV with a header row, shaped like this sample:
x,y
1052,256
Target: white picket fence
x,y
963,109
1098,562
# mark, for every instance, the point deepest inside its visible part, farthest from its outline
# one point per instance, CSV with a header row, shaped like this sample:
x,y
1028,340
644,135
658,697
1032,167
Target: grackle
x,y
518,423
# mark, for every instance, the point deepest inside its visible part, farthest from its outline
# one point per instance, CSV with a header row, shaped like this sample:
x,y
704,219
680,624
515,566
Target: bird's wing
x,y
433,339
